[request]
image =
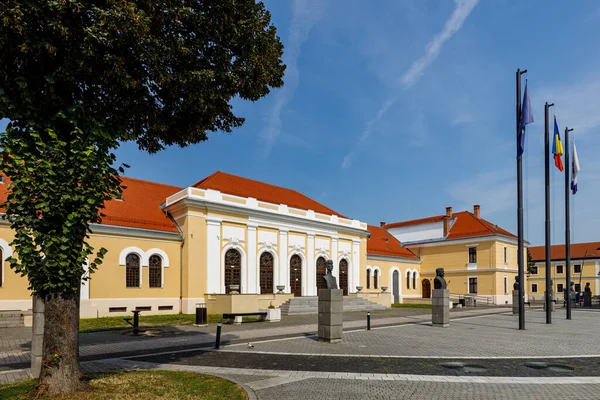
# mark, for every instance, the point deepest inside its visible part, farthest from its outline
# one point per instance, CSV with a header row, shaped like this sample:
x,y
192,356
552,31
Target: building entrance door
x,y
296,275
426,289
344,276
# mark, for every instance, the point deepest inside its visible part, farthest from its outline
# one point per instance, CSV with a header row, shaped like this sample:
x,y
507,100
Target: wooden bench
x,y
237,317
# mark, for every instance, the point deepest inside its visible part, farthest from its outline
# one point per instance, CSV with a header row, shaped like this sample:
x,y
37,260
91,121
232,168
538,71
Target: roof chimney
x,y
446,220
382,224
449,211
477,210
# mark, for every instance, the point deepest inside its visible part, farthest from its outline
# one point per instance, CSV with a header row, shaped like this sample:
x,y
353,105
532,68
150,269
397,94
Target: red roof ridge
x,y
208,178
149,182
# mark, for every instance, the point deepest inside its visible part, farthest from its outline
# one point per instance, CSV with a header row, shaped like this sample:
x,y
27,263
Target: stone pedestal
x,y
587,299
440,313
331,310
515,304
37,337
552,305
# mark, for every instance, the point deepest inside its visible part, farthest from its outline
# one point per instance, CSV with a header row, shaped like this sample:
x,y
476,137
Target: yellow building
x,y
172,248
478,257
585,264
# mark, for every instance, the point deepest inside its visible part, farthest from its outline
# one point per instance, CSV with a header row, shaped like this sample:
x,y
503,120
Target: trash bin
x,y
201,314
468,301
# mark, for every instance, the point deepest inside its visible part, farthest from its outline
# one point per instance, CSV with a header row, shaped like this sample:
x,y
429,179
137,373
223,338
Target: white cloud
x,y
413,74
432,50
305,14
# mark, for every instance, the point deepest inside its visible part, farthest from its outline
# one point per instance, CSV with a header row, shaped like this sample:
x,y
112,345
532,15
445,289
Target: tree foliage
x,y
77,77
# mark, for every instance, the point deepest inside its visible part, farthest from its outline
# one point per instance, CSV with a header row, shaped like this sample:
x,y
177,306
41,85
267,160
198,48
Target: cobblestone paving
x,y
16,345
478,337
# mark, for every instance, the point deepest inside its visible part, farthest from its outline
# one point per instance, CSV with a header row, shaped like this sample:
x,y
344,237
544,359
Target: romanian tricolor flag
x,y
557,148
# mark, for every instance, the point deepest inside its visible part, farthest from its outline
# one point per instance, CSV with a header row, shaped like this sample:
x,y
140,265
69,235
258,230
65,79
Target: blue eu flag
x,y
526,118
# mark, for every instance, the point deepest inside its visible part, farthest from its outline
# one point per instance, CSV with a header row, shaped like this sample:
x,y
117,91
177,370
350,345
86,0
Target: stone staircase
x,y
13,319
310,305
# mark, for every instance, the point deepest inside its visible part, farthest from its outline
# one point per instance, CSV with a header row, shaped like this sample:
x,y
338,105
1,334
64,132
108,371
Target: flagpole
x,y
567,150
520,209
548,296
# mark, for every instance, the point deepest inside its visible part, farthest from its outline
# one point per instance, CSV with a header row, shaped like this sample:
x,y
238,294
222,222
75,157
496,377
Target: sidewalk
x,y
15,346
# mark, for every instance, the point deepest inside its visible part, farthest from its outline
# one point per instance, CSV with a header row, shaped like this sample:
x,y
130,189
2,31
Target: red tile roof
x,y
557,252
244,187
384,244
140,206
465,224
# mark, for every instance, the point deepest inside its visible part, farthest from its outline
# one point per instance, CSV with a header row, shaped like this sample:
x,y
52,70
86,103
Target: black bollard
x,y
218,341
368,321
136,322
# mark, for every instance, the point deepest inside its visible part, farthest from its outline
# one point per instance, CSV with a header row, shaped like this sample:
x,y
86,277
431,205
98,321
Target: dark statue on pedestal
x,y
587,289
330,280
439,282
516,284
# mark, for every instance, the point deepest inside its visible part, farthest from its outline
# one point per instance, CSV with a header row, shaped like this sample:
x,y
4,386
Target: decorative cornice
x,y
379,257
112,230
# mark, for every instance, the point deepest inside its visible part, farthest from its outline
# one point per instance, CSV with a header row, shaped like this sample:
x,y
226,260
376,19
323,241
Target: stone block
x,y
440,293
440,316
330,318
515,302
439,301
330,333
587,299
37,345
36,366
38,304
331,294
28,321
38,323
237,320
331,306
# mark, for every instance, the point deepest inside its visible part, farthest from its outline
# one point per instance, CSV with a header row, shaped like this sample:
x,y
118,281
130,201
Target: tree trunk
x,y
60,363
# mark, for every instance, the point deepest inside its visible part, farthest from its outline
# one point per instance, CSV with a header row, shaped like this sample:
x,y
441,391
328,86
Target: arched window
x,y
375,279
321,271
408,279
414,279
132,270
368,279
155,271
344,276
266,273
233,268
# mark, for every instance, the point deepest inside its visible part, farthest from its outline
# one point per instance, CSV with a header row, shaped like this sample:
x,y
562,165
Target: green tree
x,y
78,77
530,263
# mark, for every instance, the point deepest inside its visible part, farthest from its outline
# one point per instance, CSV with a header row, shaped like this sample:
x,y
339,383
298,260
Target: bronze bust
x,y
330,280
516,284
439,282
588,289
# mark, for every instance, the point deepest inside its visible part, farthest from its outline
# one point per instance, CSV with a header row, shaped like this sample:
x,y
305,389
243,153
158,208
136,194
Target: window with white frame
x,y
506,285
368,279
132,271
560,288
408,279
472,255
506,255
577,268
375,279
414,278
155,271
559,269
534,288
473,285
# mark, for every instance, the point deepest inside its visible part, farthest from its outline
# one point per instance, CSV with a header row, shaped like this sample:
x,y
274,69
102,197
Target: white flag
x,y
575,169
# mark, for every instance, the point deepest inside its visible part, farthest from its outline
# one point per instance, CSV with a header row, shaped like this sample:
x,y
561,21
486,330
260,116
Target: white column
x,y
353,276
335,258
85,285
597,284
283,278
213,257
309,279
252,285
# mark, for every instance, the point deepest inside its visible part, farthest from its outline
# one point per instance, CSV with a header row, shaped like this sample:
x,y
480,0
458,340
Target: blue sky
x,y
393,110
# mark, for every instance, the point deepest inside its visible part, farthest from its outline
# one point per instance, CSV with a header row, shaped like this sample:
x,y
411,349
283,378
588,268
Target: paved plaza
x,y
482,355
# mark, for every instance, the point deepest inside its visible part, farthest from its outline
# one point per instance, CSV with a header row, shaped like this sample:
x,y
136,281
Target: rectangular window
x,y
506,285
473,285
534,288
559,269
577,288
577,268
505,255
472,255
533,270
559,288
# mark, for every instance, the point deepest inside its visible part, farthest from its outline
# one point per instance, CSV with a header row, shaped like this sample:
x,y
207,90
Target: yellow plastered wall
x,y
385,278
15,285
456,257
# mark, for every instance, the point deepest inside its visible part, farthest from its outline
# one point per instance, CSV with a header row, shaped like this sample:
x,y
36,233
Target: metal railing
x,y
471,300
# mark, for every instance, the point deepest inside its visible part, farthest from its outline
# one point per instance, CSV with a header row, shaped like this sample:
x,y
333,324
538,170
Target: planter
x,y
235,289
273,314
280,289
383,289
359,289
